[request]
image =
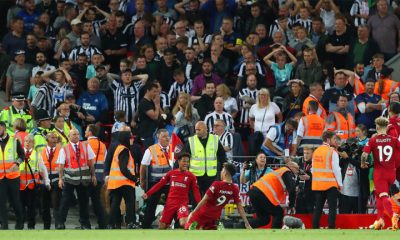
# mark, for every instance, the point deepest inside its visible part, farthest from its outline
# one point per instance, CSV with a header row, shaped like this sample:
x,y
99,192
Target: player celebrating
x,y
208,211
180,180
383,148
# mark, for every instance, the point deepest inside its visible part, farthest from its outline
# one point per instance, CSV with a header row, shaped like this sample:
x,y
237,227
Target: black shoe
x,y
60,226
46,226
19,226
83,227
110,227
133,226
101,227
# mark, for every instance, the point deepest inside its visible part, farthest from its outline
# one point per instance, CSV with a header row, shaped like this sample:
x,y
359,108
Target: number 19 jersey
x,y
219,194
383,149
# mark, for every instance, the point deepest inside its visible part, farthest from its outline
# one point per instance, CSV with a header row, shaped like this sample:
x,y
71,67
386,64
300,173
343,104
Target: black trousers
x,y
116,195
264,210
50,199
83,199
204,183
28,200
320,197
98,208
151,205
9,189
348,204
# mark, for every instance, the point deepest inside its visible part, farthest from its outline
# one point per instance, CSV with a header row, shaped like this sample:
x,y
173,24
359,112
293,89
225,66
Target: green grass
x,y
199,235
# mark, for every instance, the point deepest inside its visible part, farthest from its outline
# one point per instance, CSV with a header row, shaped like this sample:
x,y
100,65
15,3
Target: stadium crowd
x,y
113,94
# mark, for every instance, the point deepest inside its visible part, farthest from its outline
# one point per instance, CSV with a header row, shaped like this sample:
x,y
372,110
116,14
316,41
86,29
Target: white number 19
x,y
387,151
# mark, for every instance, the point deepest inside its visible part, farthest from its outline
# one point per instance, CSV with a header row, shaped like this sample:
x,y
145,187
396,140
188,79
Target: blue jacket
x,y
94,104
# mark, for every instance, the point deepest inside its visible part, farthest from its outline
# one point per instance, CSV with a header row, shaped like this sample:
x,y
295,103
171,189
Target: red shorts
x,y
383,181
172,210
202,223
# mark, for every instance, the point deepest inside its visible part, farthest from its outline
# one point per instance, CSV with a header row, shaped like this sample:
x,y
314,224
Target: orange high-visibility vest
x,y
51,164
116,178
8,157
313,126
20,135
321,110
159,162
273,187
323,177
395,200
100,150
389,86
344,128
29,171
358,85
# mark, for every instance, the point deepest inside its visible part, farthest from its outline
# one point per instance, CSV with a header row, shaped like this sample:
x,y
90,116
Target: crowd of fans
x,y
253,71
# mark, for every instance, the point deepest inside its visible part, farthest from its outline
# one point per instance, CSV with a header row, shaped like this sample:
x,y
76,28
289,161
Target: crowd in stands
x,y
270,74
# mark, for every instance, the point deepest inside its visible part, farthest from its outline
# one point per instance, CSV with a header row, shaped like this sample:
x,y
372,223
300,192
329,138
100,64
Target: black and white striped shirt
x,y
176,88
193,40
306,23
89,51
126,98
359,7
44,99
226,117
244,113
242,68
165,101
226,140
123,4
275,27
59,93
97,26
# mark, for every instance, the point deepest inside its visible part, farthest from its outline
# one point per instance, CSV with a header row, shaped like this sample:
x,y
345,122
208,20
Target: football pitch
x,y
199,235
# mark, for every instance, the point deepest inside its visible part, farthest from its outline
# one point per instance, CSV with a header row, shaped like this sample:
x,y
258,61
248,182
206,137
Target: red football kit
x,y
219,194
394,130
178,196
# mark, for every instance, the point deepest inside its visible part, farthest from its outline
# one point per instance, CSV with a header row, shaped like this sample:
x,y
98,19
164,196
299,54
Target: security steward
x,y
11,156
121,181
33,174
341,121
51,197
208,156
16,110
95,191
76,172
270,192
43,121
326,178
156,163
310,127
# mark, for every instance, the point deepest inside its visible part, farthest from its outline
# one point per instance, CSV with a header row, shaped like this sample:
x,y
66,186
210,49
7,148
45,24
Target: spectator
x,y
164,11
293,102
319,37
385,23
139,37
42,64
18,75
309,70
369,107
64,49
166,68
385,85
200,37
85,47
363,48
360,11
191,65
378,64
216,10
220,63
185,115
94,101
258,168
76,26
181,85
225,138
190,9
327,10
29,15
219,114
393,97
230,103
247,97
201,79
301,41
337,44
340,120
205,104
31,48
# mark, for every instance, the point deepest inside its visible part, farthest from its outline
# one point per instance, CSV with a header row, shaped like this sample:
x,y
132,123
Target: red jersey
x,y
394,130
383,148
219,194
180,184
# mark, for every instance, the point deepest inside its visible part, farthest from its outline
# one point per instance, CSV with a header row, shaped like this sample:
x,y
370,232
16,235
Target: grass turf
x,y
199,235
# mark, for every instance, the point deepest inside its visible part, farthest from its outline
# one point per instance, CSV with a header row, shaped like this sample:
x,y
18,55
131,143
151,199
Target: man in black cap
x,y
16,110
43,127
12,154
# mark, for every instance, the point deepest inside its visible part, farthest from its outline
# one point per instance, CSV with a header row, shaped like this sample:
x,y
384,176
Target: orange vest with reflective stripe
x,y
29,170
395,200
51,164
77,171
99,149
159,162
313,126
344,128
321,110
273,187
323,177
8,158
358,85
116,179
389,86
21,137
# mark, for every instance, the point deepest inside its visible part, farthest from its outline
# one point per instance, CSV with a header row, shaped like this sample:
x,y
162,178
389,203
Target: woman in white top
x,y
264,113
230,103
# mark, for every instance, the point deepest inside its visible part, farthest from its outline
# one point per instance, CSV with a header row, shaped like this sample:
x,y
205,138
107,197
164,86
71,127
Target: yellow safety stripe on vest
x,y
14,150
10,121
325,179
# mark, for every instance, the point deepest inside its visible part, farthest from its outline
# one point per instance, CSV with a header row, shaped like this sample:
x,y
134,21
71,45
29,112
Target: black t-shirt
x,y
114,42
339,60
146,126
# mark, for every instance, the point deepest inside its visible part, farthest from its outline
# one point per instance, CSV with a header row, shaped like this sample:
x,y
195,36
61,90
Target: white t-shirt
x,y
329,20
230,105
269,119
272,135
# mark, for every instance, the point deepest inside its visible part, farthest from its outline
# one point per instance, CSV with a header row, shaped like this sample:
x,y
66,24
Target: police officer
x,y
16,110
208,156
76,173
11,156
270,191
157,162
121,181
43,121
326,178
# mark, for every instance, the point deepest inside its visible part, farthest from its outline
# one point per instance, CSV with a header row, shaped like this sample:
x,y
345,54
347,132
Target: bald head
x,y
201,129
73,135
293,166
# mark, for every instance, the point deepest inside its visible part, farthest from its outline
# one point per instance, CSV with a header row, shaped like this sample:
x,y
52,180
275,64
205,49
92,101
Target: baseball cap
x,y
76,21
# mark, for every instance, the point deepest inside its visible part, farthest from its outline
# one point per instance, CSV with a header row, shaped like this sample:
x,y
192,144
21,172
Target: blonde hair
x,y
266,92
20,124
382,122
188,108
226,92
